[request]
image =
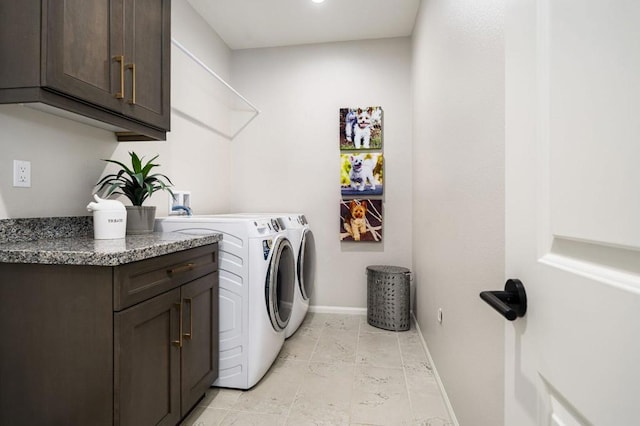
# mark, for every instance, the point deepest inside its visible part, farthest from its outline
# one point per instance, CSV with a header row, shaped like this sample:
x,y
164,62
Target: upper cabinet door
x,y
84,46
147,40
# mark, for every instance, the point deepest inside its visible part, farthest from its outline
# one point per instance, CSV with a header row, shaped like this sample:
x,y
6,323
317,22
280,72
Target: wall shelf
x,y
200,104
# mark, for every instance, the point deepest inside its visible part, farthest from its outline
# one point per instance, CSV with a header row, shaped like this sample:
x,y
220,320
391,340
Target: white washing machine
x,y
257,285
302,240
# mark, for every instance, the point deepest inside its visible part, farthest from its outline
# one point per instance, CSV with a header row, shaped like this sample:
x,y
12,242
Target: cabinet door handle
x,y
182,268
178,342
189,335
132,67
120,59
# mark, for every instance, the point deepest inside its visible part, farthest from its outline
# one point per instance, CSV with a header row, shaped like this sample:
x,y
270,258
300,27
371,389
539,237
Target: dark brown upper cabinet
x,y
108,60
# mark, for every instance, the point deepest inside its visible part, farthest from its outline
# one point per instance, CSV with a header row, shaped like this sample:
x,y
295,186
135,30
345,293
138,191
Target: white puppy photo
x,y
361,128
361,174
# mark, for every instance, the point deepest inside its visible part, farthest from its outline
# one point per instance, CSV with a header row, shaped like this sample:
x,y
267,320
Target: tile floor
x,y
336,370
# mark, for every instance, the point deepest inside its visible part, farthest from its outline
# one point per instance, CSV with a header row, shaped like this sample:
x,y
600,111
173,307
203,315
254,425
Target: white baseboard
x,y
445,397
337,310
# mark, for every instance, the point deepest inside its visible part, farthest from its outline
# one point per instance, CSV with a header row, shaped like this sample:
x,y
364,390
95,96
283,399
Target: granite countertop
x,y
69,241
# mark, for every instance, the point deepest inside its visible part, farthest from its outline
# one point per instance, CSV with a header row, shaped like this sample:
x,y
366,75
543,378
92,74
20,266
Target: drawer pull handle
x,y
189,335
183,268
178,343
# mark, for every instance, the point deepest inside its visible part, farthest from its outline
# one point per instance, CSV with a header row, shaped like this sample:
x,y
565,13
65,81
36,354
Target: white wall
x,y
458,197
65,162
288,158
65,155
199,156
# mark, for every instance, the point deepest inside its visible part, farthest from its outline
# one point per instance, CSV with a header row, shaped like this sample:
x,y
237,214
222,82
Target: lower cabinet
x,y
135,344
166,354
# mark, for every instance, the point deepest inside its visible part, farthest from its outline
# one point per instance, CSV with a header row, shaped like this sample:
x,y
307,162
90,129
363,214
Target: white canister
x,y
109,219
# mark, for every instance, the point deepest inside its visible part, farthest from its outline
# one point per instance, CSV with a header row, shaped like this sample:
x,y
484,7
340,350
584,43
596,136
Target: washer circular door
x,y
280,283
306,264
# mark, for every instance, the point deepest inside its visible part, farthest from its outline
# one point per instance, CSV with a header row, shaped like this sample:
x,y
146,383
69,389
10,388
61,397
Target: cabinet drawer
x,y
138,281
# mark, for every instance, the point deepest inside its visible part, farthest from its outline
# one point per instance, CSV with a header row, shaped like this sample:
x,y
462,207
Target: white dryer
x,y
302,240
304,247
257,285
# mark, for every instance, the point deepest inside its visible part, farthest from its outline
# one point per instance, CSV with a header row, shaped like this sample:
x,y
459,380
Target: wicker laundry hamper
x,y
388,297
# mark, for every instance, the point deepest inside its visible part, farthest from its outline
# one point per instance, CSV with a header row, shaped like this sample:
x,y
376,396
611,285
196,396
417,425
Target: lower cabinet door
x,y
200,338
147,362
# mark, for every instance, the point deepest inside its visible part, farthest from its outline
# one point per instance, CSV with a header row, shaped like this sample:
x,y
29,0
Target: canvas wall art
x,y
361,220
361,128
361,174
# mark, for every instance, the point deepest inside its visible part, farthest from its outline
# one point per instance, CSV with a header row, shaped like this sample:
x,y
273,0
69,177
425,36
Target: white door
x,y
573,211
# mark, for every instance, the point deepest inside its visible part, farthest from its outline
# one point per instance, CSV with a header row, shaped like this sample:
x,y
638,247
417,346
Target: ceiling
x,y
246,24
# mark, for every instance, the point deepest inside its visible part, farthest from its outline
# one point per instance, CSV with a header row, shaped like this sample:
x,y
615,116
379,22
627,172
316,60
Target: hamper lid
x,y
387,269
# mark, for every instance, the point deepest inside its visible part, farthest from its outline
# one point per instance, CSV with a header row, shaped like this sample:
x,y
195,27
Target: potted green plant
x,y
137,183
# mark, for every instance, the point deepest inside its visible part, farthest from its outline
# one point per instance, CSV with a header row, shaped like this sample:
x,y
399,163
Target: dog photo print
x,y
361,174
361,128
361,220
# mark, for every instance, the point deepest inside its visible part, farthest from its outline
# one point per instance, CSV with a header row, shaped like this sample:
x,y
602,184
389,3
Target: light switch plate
x,y
22,173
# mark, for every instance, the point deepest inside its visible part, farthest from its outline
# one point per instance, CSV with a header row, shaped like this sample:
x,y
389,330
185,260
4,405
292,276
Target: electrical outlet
x,y
22,173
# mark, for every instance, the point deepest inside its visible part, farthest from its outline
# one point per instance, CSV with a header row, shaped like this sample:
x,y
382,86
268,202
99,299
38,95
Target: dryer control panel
x,y
263,226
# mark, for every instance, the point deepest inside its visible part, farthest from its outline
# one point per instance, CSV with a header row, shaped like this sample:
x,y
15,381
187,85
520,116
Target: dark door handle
x,y
510,303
